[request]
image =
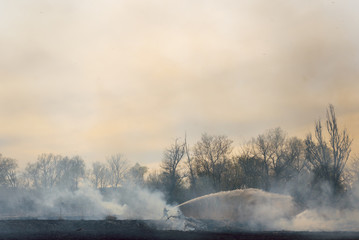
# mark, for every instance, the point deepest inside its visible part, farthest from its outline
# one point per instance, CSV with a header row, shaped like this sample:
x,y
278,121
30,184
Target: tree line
x,y
271,161
309,169
65,172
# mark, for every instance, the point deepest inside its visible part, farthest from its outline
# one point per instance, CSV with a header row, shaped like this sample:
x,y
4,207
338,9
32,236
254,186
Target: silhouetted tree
x,y
55,170
190,170
352,172
294,158
136,174
8,168
118,168
70,171
170,169
251,171
155,181
328,159
100,175
43,173
282,158
211,157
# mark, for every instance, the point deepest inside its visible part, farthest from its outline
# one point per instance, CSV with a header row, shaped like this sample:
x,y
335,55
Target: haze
x,y
96,78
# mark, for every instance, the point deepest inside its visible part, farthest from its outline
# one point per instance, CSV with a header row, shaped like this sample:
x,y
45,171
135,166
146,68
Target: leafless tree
x,y
328,159
211,156
294,157
136,173
100,175
282,157
155,180
351,172
55,170
269,147
44,172
70,171
8,168
190,167
118,168
249,171
170,163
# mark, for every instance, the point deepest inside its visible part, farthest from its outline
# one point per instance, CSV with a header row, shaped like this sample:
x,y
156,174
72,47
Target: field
x,y
140,229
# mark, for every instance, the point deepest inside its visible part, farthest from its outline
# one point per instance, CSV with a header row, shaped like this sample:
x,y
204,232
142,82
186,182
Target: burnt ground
x,y
140,229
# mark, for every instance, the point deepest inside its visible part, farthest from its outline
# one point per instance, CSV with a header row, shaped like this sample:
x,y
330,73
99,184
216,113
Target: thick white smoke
x,y
326,219
258,210
250,209
132,202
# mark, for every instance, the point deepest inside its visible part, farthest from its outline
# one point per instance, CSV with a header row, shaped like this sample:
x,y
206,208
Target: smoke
x,y
86,202
85,67
250,208
253,209
327,219
246,209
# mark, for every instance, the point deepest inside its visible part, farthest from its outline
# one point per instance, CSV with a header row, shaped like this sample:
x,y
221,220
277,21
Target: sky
x,y
97,78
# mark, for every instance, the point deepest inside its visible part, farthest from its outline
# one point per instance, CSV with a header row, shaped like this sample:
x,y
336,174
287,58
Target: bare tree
x,y
328,159
100,175
8,168
352,173
155,180
249,171
136,173
77,170
30,177
190,168
282,157
171,160
294,158
44,172
340,144
211,157
70,171
118,168
269,147
55,170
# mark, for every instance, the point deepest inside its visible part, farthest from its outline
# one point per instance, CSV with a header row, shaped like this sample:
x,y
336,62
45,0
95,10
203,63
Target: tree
x,y
155,180
55,170
294,158
8,168
352,173
70,171
250,171
191,174
171,176
136,173
211,157
118,167
44,172
328,159
100,175
269,148
281,157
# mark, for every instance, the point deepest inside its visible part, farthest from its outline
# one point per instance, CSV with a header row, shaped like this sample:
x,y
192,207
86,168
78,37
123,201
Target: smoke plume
x,y
84,203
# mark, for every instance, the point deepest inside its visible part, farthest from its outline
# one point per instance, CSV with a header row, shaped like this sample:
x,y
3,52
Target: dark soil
x,y
137,229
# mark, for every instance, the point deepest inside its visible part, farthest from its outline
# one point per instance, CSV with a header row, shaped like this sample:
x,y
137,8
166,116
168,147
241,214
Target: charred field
x,y
143,229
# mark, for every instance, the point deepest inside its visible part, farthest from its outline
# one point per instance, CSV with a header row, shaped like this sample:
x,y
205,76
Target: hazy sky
x,y
96,78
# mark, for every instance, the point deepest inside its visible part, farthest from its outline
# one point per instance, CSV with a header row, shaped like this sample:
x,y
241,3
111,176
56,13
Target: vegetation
x,y
272,161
